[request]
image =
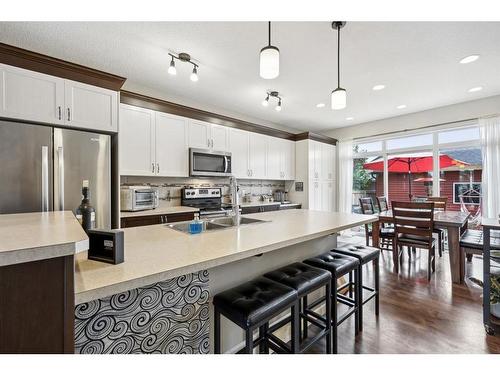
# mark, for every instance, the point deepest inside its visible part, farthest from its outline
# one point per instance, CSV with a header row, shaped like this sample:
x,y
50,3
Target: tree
x,y
362,179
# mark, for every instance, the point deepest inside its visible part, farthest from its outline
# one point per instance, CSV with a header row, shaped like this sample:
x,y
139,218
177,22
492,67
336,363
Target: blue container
x,y
196,226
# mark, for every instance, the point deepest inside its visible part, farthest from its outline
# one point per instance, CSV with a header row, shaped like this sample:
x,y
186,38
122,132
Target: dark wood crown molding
x,y
316,137
37,62
139,100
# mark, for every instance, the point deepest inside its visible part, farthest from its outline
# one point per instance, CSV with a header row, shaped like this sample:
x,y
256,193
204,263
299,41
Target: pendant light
x,y
339,95
269,59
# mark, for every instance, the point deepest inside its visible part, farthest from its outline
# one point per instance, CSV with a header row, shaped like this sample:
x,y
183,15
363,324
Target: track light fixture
x,y
184,57
273,94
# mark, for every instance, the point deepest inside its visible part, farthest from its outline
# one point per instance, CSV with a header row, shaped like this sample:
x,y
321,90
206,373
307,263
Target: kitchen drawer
x,y
140,221
257,209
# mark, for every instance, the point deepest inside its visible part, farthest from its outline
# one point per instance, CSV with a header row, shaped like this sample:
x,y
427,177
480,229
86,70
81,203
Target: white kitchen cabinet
x,y
219,137
288,160
257,148
171,144
238,146
137,141
275,156
199,134
90,107
32,96
315,166
208,136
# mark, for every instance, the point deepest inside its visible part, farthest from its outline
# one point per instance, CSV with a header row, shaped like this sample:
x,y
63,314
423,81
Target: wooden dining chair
x,y
439,204
382,204
386,234
413,224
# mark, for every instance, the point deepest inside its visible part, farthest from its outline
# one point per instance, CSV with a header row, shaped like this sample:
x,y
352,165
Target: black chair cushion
x,y
255,301
363,253
301,277
337,264
473,239
387,232
415,241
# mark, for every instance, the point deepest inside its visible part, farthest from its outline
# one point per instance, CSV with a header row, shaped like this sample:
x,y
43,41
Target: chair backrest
x,y
382,204
415,219
439,202
366,205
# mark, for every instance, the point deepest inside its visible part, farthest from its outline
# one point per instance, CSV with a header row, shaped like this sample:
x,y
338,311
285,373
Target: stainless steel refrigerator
x,y
42,169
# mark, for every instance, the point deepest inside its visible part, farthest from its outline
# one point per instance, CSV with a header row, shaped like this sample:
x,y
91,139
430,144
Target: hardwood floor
x,y
417,316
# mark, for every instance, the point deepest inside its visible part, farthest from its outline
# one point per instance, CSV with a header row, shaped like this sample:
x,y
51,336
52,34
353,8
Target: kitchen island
x,y
158,300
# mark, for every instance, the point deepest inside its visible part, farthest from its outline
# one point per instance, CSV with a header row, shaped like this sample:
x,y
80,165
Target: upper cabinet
x,y
208,136
152,143
238,146
32,96
90,107
280,159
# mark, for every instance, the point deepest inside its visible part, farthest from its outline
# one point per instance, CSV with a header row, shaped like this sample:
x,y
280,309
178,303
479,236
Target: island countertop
x,y
29,237
157,253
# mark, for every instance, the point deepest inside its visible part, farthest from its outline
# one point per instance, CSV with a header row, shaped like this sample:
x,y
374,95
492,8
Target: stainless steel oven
x,y
209,163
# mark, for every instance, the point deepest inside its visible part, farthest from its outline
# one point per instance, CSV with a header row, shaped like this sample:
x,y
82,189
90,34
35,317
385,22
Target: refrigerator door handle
x,y
60,166
45,178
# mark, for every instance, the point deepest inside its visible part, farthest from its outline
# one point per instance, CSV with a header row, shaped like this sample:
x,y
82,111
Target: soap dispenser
x,y
196,226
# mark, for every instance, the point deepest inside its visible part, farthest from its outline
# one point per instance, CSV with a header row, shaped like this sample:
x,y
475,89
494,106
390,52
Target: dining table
x,y
455,223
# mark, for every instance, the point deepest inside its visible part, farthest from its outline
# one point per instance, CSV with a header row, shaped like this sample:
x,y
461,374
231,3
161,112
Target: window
x,y
409,142
457,171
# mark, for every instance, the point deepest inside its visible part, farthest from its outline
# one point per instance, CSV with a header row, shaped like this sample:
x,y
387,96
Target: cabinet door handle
x,y
153,167
165,218
157,167
208,143
161,219
69,114
59,112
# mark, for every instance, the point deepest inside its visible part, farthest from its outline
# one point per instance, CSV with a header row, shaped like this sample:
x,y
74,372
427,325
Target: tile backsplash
x,y
169,188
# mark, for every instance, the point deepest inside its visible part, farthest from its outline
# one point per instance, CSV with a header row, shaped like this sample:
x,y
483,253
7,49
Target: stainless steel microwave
x,y
209,163
138,198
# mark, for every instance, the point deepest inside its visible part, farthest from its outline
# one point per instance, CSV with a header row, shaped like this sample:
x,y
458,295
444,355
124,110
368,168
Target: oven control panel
x,y
196,193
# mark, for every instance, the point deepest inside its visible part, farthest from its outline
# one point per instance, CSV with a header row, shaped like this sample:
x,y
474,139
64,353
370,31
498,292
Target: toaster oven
x,y
138,198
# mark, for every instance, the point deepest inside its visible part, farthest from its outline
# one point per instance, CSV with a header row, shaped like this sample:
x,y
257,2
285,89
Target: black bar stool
x,y
306,279
252,305
365,254
339,265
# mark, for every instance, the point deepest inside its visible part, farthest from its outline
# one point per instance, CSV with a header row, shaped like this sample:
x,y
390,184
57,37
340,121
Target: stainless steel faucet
x,y
235,201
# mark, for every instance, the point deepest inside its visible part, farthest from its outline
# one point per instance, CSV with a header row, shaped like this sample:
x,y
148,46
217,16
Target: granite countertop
x,y
156,253
162,209
35,236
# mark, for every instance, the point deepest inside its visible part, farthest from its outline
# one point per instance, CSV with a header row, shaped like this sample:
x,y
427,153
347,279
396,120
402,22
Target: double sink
x,y
216,224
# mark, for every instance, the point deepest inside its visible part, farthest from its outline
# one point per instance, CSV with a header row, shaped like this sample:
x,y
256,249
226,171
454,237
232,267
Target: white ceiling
x,y
416,61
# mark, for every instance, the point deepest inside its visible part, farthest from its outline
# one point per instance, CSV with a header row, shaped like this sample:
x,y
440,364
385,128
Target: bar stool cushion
x,y
363,253
337,264
255,301
473,239
301,277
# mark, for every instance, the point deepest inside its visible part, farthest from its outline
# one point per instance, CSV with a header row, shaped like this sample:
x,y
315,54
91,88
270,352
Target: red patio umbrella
x,y
412,164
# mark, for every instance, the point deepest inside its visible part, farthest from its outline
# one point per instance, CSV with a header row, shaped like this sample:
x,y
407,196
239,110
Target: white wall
x,y
450,113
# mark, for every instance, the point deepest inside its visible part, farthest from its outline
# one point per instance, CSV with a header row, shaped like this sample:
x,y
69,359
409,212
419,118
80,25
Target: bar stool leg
x,y
328,314
248,341
304,320
357,303
334,315
295,328
359,292
216,331
263,347
350,284
376,267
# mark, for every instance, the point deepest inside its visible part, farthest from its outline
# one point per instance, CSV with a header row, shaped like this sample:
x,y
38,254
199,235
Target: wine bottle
x,y
85,213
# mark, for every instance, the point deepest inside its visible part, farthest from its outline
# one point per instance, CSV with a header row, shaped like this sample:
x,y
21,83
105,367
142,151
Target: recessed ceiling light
x,y
349,118
475,89
378,87
401,106
320,105
469,59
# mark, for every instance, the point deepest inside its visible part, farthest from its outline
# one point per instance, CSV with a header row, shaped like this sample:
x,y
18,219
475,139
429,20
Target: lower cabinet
x,y
257,209
37,307
140,221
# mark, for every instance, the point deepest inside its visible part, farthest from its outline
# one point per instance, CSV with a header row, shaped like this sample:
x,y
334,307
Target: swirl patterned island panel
x,y
168,317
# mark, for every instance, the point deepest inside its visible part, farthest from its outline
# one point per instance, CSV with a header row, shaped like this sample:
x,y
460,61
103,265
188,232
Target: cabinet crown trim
x,y
40,63
316,137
